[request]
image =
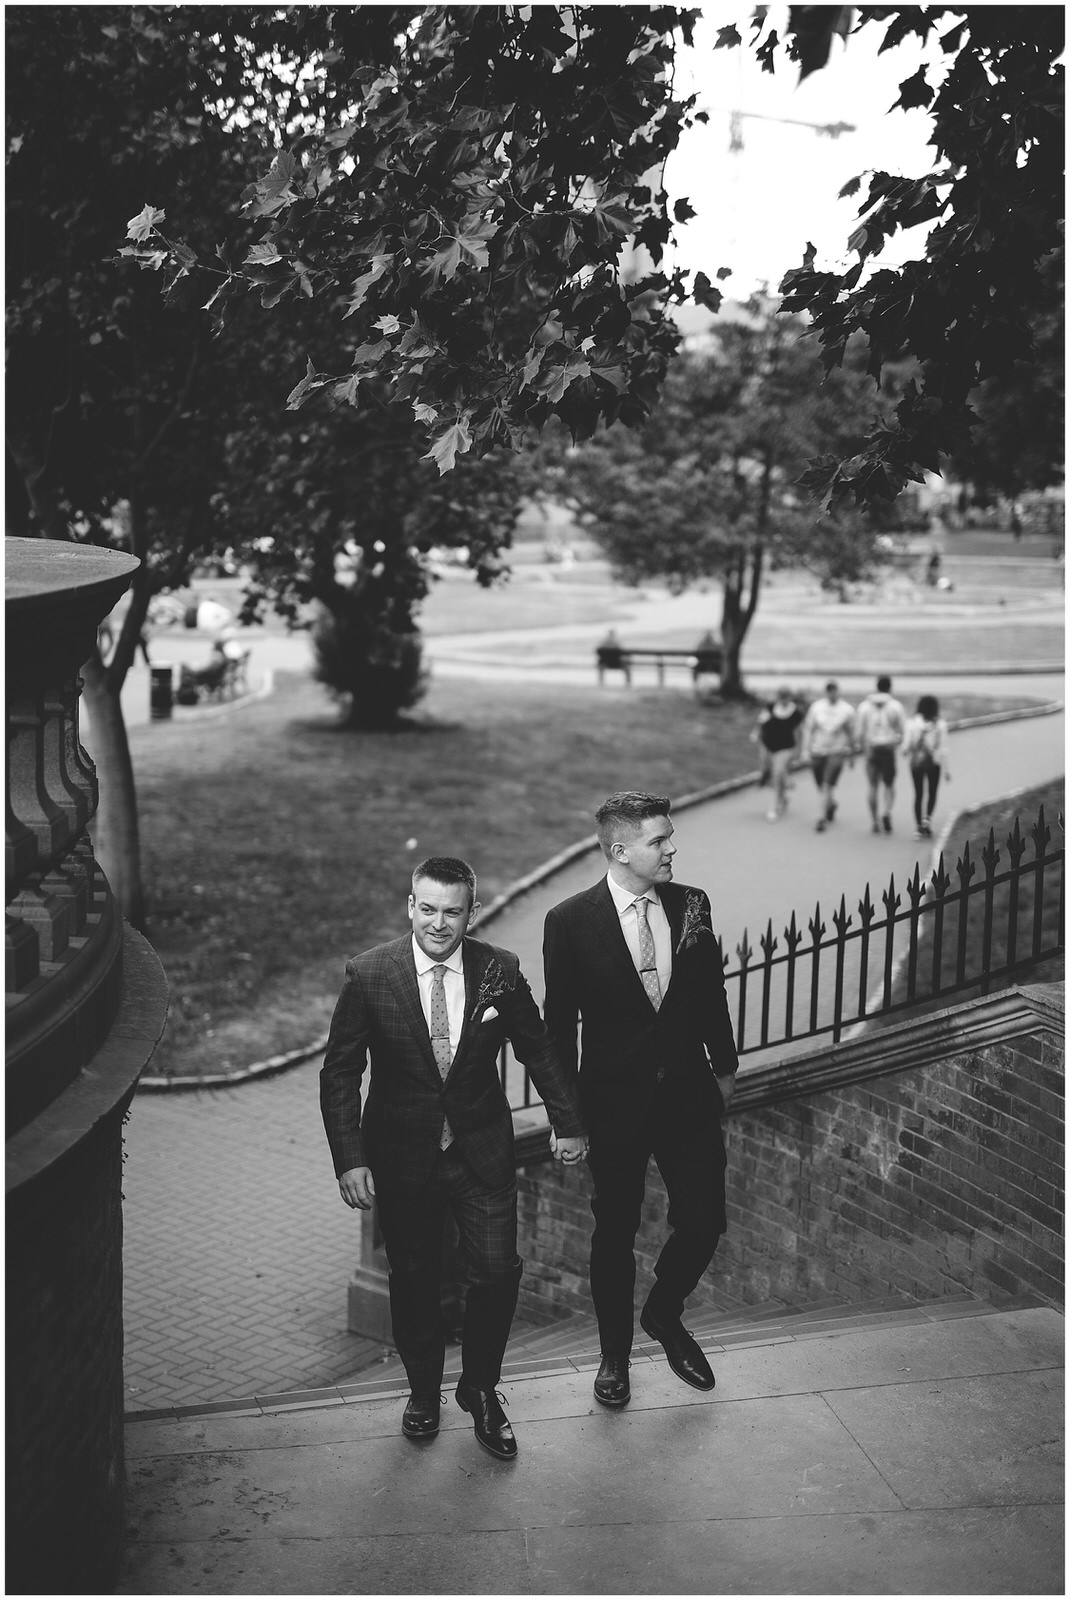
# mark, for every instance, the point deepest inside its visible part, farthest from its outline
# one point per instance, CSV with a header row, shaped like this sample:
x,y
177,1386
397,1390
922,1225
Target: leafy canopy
x,y
469,211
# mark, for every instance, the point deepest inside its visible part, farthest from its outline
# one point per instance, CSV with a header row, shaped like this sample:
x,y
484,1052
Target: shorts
x,y
880,764
827,769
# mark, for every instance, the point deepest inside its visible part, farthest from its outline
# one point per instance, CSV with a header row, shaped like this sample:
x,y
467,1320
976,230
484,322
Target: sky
x,y
758,207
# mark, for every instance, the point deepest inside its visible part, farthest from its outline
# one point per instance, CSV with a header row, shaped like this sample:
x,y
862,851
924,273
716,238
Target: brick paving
x,y
238,1248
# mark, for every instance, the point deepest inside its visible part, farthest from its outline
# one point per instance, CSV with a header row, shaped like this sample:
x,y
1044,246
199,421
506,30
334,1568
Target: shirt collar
x,y
424,962
623,898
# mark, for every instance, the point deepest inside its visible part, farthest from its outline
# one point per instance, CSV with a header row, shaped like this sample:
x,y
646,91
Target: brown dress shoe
x,y
420,1418
611,1387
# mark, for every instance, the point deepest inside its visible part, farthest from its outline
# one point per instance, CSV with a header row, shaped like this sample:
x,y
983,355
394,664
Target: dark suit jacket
x,y
379,1015
628,1047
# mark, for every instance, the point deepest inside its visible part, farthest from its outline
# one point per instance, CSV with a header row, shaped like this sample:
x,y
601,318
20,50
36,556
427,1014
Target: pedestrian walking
x,y
432,1012
880,727
778,735
925,747
827,743
634,979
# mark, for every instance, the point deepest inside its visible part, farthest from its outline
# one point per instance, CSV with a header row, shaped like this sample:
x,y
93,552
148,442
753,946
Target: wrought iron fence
x,y
943,935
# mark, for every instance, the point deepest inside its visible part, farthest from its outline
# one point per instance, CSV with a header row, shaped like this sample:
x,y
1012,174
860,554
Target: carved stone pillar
x,y
86,1000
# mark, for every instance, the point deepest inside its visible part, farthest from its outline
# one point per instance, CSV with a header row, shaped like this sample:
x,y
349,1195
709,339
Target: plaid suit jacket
x,y
396,1130
628,1047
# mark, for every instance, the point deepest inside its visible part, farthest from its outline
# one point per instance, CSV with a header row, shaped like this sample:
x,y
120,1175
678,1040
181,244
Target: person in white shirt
x,y
879,729
925,746
827,742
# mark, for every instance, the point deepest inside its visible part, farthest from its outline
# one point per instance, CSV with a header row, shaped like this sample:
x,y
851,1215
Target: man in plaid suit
x,y
635,957
432,1011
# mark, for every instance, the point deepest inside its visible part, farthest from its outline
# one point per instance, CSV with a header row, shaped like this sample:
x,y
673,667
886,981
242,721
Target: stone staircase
x,y
572,1343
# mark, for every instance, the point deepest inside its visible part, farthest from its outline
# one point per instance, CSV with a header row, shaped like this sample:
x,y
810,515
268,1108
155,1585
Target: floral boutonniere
x,y
696,921
492,985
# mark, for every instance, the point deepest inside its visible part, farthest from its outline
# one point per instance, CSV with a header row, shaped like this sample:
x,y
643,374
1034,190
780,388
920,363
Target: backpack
x,y
923,752
882,726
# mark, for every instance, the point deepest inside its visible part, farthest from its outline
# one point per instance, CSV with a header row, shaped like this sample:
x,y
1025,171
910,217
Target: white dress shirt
x,y
453,983
624,900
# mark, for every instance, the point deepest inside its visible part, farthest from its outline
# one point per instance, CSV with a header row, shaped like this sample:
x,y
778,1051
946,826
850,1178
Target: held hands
x,y
568,1151
357,1188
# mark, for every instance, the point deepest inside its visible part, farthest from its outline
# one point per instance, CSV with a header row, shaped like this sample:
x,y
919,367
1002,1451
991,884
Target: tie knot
x,y
440,971
640,906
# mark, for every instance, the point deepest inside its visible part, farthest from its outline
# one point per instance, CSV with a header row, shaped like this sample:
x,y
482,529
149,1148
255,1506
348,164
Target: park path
x,y
238,1249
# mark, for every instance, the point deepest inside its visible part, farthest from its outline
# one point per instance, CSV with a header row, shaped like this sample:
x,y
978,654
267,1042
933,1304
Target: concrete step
x,y
572,1344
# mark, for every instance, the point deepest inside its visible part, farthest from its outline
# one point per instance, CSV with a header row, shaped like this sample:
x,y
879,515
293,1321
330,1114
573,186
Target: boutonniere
x,y
696,921
492,985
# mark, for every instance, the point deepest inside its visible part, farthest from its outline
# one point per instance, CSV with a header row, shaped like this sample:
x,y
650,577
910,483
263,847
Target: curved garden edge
x,y
532,880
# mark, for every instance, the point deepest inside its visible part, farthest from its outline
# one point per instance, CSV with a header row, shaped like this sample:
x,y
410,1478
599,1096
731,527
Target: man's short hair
x,y
621,815
884,684
832,684
446,869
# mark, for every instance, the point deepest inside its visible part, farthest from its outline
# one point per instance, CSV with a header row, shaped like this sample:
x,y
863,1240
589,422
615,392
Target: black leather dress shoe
x,y
683,1354
611,1387
492,1426
420,1418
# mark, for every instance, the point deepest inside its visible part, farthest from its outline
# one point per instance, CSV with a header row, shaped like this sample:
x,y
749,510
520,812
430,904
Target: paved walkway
x,y
238,1250
889,1455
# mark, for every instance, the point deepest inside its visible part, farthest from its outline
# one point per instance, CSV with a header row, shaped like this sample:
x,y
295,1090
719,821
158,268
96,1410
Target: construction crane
x,y
831,130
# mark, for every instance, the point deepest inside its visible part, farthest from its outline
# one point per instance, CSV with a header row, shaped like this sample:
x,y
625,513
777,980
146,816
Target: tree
x,y
112,398
1019,440
118,399
470,217
494,146
995,195
707,488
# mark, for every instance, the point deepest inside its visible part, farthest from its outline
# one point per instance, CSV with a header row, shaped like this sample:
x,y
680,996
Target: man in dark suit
x,y
436,1135
636,960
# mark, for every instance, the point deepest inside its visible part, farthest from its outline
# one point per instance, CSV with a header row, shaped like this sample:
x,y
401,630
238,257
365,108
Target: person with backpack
x,y
925,746
880,729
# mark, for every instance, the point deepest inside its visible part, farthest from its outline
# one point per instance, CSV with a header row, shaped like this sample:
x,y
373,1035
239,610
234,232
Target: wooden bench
x,y
703,661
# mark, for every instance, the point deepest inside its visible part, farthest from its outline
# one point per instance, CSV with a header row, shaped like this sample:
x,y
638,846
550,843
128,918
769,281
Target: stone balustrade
x,y
64,933
86,1003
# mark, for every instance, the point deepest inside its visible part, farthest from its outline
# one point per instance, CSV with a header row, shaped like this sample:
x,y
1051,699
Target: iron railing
x,y
943,935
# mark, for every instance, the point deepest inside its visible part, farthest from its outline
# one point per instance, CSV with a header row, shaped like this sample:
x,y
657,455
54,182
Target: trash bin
x,y
160,691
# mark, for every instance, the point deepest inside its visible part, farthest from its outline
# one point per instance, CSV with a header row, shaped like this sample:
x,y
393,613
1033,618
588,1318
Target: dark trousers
x,y
926,777
687,1144
413,1223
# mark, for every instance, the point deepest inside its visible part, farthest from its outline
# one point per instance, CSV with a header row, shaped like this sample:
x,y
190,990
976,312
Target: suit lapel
x,y
610,929
402,977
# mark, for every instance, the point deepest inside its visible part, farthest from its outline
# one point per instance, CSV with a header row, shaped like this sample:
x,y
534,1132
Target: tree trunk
x,y
742,585
117,843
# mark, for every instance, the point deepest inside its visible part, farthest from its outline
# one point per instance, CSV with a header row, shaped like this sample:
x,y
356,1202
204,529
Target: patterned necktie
x,y
648,966
440,1036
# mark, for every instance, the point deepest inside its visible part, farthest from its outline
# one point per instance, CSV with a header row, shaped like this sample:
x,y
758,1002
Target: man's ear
x,y
412,907
473,913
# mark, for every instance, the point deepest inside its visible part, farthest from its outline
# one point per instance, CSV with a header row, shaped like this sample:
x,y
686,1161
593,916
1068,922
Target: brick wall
x,y
65,1372
941,1179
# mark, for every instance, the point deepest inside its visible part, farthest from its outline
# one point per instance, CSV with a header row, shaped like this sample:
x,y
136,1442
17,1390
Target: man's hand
x,y
568,1151
727,1085
357,1188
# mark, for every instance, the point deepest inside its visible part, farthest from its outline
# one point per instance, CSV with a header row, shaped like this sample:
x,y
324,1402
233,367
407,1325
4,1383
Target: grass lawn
x,y
275,844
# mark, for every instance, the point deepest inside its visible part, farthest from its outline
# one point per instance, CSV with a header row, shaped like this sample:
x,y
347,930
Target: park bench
x,y
705,660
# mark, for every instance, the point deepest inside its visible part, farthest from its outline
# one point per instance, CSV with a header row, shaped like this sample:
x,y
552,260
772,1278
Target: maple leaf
x,y
449,445
144,224
388,323
311,380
